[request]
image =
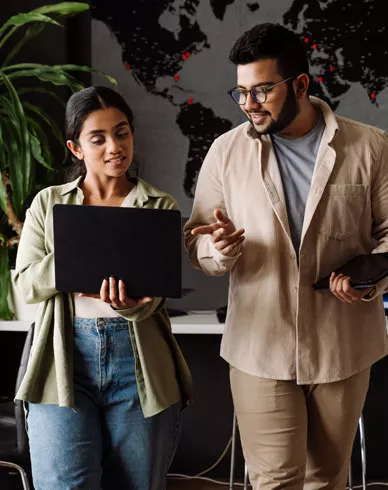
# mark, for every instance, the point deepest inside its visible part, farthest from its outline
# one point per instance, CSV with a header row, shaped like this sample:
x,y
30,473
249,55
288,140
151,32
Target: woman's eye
x,y
98,141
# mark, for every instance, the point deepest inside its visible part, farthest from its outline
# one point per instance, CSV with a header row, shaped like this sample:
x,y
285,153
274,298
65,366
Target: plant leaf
x,y
21,67
3,204
48,120
3,199
20,169
112,80
5,278
42,90
63,8
31,32
22,19
37,130
48,74
36,149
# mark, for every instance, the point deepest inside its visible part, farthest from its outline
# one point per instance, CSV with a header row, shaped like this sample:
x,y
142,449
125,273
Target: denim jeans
x,y
106,442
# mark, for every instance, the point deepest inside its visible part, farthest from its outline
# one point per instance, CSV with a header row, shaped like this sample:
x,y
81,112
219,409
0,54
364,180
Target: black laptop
x,y
140,246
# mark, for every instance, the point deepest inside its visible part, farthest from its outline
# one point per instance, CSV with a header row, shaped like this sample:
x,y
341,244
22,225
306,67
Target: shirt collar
x,y
71,186
328,116
145,191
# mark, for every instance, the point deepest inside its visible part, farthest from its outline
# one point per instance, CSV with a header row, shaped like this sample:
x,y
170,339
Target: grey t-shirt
x,y
296,159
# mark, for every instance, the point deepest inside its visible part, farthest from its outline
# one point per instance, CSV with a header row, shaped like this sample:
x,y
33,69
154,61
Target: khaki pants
x,y
297,436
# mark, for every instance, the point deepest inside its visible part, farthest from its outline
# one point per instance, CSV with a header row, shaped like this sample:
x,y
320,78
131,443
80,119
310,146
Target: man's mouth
x,y
258,117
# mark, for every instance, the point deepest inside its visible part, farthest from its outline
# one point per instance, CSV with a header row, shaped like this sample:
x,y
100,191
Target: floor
x,y
196,485
203,485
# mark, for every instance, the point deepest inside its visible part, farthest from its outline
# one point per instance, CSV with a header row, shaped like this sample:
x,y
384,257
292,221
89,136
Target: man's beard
x,y
287,114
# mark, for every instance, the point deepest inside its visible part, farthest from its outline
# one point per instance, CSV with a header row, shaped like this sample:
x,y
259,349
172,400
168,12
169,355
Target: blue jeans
x,y
106,442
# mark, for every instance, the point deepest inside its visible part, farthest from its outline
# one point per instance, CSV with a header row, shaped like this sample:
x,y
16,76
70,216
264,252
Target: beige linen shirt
x,y
277,326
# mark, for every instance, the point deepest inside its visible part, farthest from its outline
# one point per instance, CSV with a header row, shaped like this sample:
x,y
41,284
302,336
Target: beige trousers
x,y
297,436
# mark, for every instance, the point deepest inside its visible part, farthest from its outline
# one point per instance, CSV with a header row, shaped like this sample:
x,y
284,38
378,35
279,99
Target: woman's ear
x,y
75,149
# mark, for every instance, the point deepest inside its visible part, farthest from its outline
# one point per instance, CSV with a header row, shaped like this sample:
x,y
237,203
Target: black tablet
x,y
364,271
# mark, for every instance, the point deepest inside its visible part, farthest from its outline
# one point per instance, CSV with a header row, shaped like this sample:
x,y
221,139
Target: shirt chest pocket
x,y
341,209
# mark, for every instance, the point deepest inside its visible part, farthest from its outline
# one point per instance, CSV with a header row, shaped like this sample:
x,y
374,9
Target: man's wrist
x,y
370,293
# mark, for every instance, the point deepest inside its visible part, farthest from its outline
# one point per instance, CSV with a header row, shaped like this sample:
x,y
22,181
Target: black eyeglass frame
x,y
253,91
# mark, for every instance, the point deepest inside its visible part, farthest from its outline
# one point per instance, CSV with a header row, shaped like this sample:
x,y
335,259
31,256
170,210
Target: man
x,y
281,201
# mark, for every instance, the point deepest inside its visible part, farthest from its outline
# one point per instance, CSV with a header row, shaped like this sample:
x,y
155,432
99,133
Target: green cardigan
x,y
162,375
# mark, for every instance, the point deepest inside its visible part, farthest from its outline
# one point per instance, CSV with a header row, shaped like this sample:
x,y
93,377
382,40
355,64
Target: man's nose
x,y
251,103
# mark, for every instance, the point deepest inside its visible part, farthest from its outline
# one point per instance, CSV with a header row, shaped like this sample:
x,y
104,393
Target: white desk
x,y
195,323
14,326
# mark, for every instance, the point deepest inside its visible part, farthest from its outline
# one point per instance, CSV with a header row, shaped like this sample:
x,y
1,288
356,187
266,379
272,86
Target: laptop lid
x,y
140,246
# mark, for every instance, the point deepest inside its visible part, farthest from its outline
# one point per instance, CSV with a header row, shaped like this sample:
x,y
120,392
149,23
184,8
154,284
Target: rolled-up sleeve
x,y
35,267
208,197
379,199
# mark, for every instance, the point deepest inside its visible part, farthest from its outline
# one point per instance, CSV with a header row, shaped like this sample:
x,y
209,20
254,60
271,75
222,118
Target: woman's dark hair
x,y
271,41
78,108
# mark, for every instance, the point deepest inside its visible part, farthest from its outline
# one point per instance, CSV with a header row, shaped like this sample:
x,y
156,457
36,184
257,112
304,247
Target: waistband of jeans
x,y
114,323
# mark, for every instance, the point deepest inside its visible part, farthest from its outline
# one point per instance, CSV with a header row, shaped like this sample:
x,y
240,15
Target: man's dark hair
x,y
271,41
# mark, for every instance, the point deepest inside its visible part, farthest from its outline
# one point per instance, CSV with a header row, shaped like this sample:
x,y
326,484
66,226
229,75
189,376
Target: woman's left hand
x,y
341,288
116,295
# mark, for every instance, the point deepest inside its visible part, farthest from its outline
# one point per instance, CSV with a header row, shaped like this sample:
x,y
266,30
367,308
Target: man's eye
x,y
258,91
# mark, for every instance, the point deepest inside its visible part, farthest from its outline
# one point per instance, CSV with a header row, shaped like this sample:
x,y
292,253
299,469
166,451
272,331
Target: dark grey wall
x,y
208,422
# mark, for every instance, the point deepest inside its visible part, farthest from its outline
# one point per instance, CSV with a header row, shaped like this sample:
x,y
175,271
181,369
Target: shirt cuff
x,y
377,290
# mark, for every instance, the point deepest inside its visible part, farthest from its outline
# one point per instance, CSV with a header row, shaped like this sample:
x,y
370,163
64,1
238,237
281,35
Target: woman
x,y
106,380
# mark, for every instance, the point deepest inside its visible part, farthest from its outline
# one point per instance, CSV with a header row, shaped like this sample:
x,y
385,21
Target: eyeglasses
x,y
258,94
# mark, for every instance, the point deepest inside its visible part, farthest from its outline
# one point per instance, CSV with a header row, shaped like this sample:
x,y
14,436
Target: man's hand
x,y
223,234
116,295
341,288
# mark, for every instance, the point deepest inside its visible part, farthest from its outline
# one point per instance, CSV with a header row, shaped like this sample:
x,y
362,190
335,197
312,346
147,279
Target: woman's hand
x,y
116,295
341,288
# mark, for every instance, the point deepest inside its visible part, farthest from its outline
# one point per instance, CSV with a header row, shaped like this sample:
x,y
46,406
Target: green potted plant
x,y
25,148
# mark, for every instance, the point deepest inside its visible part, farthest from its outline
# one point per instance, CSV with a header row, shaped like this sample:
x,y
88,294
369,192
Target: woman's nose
x,y
113,145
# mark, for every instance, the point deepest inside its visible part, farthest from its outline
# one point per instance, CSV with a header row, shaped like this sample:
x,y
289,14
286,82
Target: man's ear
x,y
75,149
302,83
